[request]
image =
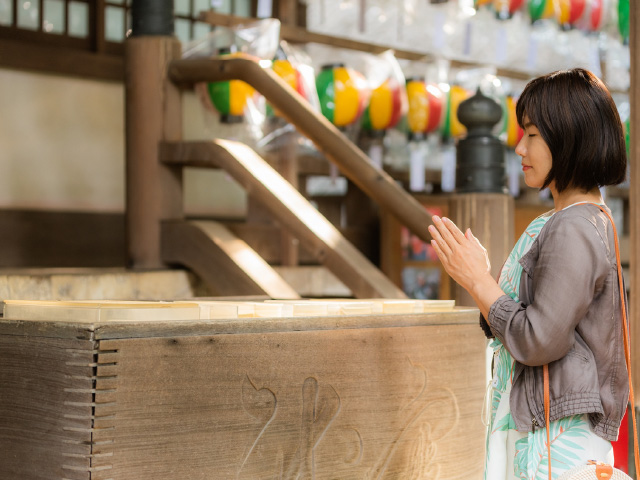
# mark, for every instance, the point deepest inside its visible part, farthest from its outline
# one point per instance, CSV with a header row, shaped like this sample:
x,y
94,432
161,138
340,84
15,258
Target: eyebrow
x,y
529,124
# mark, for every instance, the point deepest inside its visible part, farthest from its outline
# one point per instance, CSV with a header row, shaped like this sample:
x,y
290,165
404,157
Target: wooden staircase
x,y
159,233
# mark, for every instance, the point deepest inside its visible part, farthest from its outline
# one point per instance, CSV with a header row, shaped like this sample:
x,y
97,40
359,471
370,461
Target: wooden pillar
x,y
153,113
490,217
634,196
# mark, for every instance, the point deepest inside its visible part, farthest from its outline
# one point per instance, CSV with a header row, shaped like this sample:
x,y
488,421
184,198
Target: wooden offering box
x,y
154,391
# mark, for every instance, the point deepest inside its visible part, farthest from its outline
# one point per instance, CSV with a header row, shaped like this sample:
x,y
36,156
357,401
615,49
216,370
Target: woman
x,y
557,299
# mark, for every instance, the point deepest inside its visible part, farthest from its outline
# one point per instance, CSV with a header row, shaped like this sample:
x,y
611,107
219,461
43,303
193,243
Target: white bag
x,y
594,471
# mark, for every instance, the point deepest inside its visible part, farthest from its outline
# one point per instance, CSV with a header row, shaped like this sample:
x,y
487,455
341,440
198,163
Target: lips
x,y
525,167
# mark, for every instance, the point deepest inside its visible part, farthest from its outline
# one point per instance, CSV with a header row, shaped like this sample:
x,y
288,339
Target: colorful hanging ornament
x,y
384,109
230,97
342,94
452,126
540,9
292,76
418,113
506,8
436,99
477,4
623,20
511,133
627,135
568,12
595,12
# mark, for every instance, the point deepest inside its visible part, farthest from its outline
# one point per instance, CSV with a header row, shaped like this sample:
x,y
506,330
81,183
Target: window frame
x,y
93,57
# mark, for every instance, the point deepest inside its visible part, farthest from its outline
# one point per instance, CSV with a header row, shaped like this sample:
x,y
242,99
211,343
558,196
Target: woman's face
x,y
536,156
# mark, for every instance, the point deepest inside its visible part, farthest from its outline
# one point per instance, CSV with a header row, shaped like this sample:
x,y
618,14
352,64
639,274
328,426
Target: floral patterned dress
x,y
513,455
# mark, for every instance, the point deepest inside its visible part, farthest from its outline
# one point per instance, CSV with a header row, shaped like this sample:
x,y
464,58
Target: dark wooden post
x,y
153,113
490,217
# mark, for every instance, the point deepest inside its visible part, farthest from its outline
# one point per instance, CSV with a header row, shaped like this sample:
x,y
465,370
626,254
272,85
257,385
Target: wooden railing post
x,y
153,114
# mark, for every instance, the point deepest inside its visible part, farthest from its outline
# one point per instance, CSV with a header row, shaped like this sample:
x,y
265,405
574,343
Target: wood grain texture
x,y
45,407
348,404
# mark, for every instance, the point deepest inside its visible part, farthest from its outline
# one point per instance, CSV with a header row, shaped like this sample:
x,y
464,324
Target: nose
x,y
520,147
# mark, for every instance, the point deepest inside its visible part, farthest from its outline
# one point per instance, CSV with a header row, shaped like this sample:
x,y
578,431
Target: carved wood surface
x,y
349,404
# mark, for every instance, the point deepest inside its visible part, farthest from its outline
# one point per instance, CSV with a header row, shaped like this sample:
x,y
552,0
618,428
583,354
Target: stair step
x,y
98,284
314,281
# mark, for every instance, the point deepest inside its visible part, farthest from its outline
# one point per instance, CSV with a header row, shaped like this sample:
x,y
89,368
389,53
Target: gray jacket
x,y
569,317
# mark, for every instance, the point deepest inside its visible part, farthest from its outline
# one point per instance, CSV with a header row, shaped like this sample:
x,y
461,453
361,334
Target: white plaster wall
x,y
62,147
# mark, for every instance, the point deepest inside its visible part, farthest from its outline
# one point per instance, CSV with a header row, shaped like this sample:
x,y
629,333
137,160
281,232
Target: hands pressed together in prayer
x,y
466,261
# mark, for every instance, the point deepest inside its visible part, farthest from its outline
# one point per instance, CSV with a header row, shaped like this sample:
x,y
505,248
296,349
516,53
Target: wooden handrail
x,y
352,161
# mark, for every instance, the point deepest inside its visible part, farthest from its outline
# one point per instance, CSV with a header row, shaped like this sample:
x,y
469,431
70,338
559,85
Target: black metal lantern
x,y
480,156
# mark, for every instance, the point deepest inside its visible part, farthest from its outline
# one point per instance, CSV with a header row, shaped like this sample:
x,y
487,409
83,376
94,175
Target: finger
x,y
445,232
453,228
442,243
441,255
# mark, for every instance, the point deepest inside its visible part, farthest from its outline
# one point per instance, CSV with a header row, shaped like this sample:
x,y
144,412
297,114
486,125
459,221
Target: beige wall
x,y
62,148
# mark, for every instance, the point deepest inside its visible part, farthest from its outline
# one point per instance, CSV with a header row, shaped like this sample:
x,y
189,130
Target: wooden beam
x,y
226,264
60,60
290,208
351,161
634,194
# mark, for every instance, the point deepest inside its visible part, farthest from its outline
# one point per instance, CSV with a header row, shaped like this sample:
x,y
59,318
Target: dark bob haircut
x,y
579,121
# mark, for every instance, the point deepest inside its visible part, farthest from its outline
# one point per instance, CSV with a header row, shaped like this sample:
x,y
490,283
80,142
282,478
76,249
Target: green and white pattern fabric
x,y
512,455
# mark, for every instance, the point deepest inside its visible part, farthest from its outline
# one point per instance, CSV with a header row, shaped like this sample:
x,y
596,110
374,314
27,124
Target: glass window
x,y
114,24
183,29
78,19
6,12
222,6
53,21
28,15
201,30
242,8
200,5
182,7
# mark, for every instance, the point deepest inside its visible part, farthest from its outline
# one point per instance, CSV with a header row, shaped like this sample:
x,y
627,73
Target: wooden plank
x,y
153,113
47,58
226,264
45,407
634,194
291,209
383,403
36,238
118,330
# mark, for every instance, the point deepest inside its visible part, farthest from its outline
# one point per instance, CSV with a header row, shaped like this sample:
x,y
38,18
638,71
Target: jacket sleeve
x,y
571,267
